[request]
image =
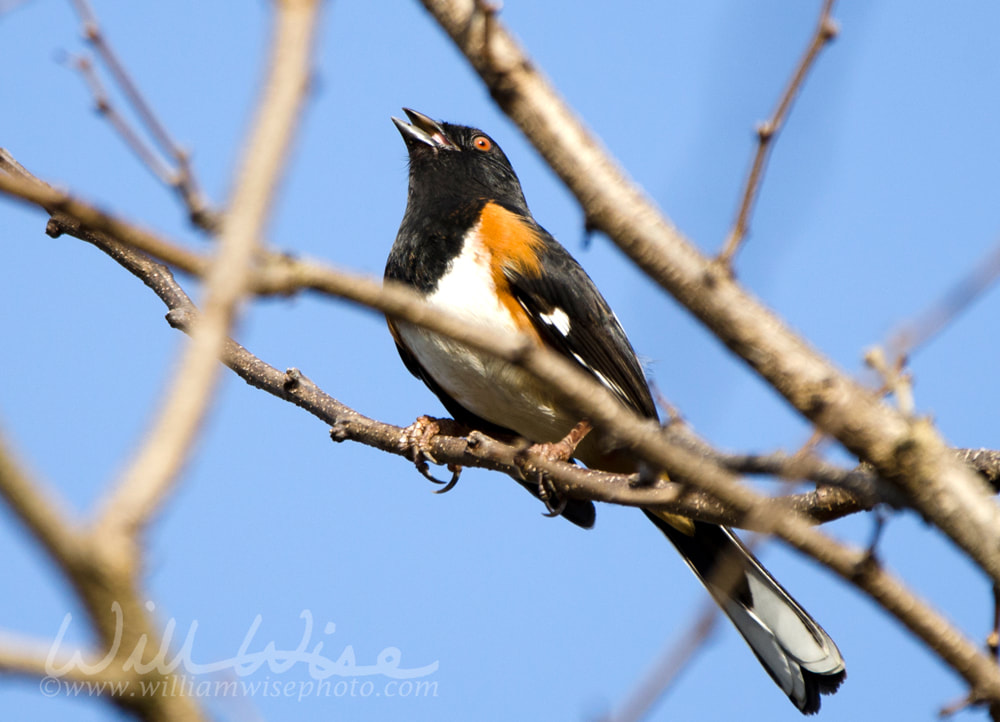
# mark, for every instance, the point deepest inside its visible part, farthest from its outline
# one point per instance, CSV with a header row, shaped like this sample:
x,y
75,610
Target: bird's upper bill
x,y
422,129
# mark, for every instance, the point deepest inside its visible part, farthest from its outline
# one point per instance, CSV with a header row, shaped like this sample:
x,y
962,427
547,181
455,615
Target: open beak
x,y
422,129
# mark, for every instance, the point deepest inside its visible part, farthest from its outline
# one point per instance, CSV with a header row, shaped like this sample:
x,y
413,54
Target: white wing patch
x,y
557,319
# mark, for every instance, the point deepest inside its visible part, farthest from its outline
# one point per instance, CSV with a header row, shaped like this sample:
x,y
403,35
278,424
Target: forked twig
x,y
979,670
894,379
825,31
151,474
181,177
146,154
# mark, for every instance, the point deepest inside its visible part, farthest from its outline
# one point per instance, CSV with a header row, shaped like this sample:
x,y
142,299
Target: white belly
x,y
486,386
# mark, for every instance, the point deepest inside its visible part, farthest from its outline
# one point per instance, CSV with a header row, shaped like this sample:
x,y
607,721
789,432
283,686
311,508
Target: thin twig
x,y
646,438
146,154
659,679
181,178
280,274
915,334
894,379
908,452
151,474
826,30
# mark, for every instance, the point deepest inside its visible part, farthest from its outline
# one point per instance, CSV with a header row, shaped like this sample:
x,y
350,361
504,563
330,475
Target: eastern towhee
x,y
469,244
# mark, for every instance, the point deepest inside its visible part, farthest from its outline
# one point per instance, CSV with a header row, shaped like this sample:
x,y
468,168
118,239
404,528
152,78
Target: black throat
x,y
428,240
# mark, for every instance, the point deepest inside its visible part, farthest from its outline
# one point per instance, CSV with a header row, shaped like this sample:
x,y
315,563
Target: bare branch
x,y
30,659
182,179
151,474
908,452
826,30
279,274
920,330
745,507
101,581
103,105
18,183
643,437
659,679
94,36
41,511
854,566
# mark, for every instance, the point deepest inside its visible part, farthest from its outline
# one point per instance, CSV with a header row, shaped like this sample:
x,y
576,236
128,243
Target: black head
x,y
453,163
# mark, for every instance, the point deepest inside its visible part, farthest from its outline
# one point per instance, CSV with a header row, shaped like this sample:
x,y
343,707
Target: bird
x,y
469,244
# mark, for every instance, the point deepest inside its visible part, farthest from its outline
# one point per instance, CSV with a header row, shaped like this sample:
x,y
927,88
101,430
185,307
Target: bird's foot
x,y
415,443
561,450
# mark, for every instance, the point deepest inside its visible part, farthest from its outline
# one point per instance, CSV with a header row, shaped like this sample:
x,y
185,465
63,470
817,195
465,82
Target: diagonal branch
x,y
935,318
40,510
644,437
101,583
152,472
745,507
906,451
858,489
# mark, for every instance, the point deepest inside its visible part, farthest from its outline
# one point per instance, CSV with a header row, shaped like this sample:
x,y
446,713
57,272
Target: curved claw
x,y
557,510
415,443
422,456
546,496
426,473
456,471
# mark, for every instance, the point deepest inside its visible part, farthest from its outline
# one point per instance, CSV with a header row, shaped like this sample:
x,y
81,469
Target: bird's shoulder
x,y
572,316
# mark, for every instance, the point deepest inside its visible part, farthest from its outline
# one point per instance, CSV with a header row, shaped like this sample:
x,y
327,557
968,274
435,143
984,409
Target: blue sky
x,y
881,193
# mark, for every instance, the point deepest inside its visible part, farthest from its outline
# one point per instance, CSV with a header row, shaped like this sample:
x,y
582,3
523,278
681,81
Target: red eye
x,y
481,142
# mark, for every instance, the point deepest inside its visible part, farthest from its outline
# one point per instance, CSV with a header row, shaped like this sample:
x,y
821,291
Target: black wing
x,y
571,315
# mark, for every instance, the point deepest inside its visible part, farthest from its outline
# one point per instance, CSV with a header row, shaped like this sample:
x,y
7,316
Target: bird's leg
x,y
415,443
564,449
561,450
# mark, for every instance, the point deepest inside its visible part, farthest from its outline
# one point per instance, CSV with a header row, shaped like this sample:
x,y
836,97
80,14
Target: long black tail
x,y
792,647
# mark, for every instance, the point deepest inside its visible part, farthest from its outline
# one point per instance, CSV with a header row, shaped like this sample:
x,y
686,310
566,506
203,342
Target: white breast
x,y
486,386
